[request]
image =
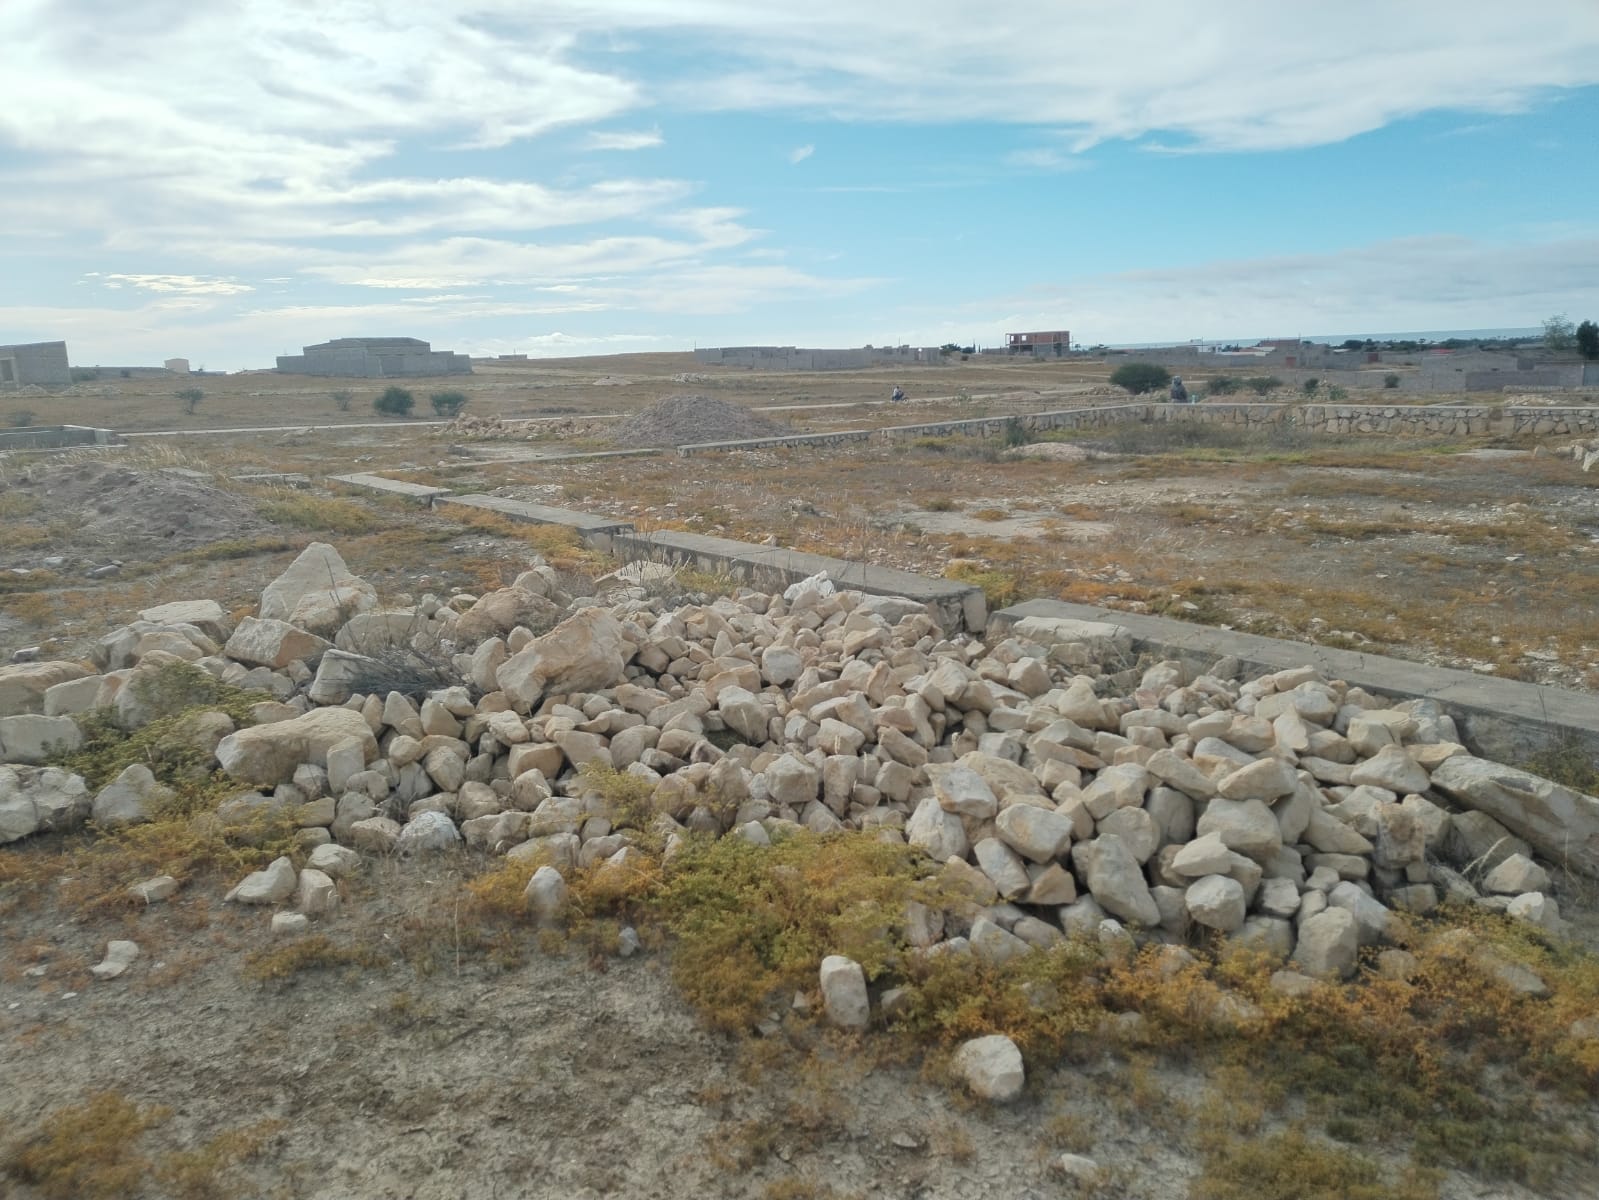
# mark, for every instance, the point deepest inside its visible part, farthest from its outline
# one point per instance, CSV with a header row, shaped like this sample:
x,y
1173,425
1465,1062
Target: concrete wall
x,y
41,364
54,437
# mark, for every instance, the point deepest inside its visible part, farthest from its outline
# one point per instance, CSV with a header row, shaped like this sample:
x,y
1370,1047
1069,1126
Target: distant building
x,y
1055,342
375,358
30,363
178,366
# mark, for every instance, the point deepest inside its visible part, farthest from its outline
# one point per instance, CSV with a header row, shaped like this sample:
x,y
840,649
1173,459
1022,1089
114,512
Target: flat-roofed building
x,y
375,358
34,363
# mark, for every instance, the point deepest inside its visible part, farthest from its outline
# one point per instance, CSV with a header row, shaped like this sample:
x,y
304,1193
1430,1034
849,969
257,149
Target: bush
x,y
1390,381
1261,384
1222,385
85,374
342,399
1311,385
1139,378
21,418
191,397
395,402
448,404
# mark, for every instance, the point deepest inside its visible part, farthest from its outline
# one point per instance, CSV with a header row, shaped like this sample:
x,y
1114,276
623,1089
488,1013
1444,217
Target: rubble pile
x,y
1057,795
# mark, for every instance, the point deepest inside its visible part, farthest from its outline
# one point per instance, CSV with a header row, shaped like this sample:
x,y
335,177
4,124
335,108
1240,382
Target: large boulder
x,y
205,615
584,653
268,754
497,613
1561,823
1117,881
28,738
317,592
263,642
22,687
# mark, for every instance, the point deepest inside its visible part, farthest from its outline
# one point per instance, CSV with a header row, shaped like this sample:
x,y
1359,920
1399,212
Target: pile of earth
x,y
685,420
107,510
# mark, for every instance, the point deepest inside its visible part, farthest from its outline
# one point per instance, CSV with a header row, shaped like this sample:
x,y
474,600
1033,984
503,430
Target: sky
x,y
232,180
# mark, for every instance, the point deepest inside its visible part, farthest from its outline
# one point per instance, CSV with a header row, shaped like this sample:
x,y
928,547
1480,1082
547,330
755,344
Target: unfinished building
x,y
42,364
375,358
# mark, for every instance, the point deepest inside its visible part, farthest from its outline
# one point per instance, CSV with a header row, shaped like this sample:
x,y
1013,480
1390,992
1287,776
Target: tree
x,y
1139,378
1588,339
1559,333
395,402
191,397
447,404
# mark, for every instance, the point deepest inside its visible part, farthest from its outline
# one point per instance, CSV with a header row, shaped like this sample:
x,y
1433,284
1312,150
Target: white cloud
x,y
800,153
1046,158
186,285
626,140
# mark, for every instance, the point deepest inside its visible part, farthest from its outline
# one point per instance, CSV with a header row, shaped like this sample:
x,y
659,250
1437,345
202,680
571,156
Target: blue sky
x,y
229,181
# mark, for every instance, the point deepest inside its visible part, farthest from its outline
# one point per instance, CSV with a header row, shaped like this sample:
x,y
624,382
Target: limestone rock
x,y
273,885
1246,826
1216,902
269,754
274,644
991,1067
1116,881
499,612
119,956
127,799
1517,874
1562,824
1328,944
1393,769
315,893
289,924
584,653
1038,834
546,895
375,835
31,739
40,801
317,592
935,832
844,997
428,833
151,891
1263,779
334,860
23,685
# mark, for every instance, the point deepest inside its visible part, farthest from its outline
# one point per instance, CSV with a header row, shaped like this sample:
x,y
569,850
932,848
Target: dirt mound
x,y
112,511
684,420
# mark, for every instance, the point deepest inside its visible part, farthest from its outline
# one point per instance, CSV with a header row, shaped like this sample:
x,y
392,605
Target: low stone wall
x,y
1070,418
1430,420
55,437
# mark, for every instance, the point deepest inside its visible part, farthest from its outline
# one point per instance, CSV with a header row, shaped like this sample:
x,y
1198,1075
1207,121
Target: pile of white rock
x,y
1290,812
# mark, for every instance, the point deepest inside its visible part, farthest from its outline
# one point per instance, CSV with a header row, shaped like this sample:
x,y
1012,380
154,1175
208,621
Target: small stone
x,y
272,885
1084,1172
627,942
844,997
1516,875
992,1068
546,895
119,956
162,887
290,924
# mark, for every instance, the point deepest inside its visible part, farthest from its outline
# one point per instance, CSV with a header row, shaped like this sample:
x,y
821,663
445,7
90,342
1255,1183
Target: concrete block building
x,y
40,363
804,358
1055,343
375,358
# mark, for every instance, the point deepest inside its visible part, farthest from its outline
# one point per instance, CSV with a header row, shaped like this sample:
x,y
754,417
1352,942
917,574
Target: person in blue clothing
x,y
1179,394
